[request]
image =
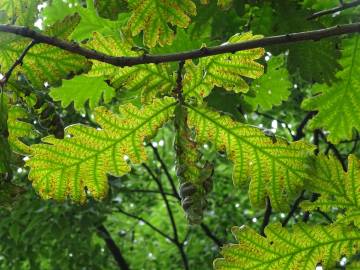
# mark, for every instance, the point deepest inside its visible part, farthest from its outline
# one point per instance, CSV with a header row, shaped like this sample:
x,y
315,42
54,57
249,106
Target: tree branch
x,y
17,62
168,208
114,249
209,233
341,7
123,61
300,130
147,223
267,215
293,209
166,170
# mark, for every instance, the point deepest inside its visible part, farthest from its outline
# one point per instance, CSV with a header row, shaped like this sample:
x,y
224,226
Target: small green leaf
x,y
81,89
339,104
272,88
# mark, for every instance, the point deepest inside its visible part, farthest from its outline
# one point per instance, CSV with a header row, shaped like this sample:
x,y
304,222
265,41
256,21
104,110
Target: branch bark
x,y
114,249
123,61
341,7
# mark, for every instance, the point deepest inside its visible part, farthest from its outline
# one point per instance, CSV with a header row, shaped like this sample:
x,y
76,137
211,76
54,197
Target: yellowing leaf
x,y
19,129
274,168
82,160
225,70
303,247
153,18
337,188
148,80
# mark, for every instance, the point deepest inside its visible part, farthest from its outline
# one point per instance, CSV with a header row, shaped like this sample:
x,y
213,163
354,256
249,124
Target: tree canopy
x,y
183,134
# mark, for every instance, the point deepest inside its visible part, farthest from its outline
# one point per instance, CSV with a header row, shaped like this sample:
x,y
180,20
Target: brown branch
x,y
341,7
123,61
114,249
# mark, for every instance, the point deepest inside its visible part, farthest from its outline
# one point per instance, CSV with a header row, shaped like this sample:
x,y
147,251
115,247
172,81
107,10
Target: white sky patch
x,y
154,144
274,124
319,267
20,170
267,58
161,143
254,220
26,158
39,24
1,76
42,6
126,158
343,261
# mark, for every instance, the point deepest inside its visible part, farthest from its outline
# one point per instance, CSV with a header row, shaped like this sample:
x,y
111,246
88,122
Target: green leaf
x,y
42,63
81,89
338,189
19,129
304,247
338,105
20,12
154,17
275,169
225,70
65,168
111,8
148,80
315,62
272,88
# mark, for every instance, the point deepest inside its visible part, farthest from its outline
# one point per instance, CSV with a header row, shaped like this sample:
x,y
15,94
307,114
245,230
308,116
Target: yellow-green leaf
x,y
301,248
81,161
153,18
337,188
274,167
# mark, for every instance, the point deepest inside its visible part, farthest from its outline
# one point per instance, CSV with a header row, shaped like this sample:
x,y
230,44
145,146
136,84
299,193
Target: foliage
x,y
105,162
302,248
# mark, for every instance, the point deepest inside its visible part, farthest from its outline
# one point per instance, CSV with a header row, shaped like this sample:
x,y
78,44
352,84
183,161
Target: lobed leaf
x,y
226,70
304,247
154,17
338,104
82,89
272,165
272,88
82,160
148,81
338,189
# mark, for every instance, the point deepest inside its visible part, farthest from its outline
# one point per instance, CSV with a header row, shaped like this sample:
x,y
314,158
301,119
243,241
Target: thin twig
x,y
209,233
168,208
342,6
113,247
334,150
145,191
166,171
17,62
123,61
147,223
300,130
278,120
293,208
267,215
